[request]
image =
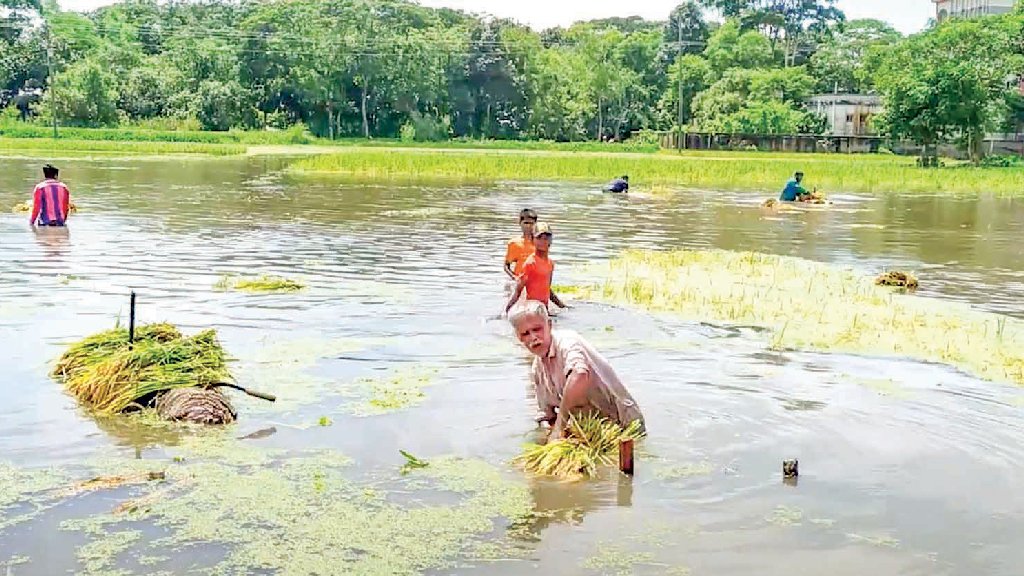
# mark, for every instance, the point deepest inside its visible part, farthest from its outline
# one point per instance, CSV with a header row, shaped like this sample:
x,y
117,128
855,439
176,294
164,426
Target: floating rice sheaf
x,y
109,376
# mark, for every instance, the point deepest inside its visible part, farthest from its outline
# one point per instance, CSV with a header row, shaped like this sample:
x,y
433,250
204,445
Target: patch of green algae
x,y
24,493
299,515
617,561
810,306
98,556
398,390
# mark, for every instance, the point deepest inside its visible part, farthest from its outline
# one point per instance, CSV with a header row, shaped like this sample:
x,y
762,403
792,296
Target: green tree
x,y
948,83
84,95
730,47
219,104
841,63
686,30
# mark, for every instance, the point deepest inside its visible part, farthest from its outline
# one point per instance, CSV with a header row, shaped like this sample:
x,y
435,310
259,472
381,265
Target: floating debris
x,y
21,207
897,279
260,284
109,482
110,376
412,462
770,203
592,441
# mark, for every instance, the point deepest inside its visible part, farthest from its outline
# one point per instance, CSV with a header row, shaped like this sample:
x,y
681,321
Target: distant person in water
x,y
568,374
794,190
619,185
538,270
51,200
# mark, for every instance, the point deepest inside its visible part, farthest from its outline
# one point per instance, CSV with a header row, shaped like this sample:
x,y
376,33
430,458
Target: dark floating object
x,y
897,279
790,468
197,405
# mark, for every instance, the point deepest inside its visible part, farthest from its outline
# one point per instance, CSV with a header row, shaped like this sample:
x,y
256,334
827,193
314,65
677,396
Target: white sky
x,y
906,15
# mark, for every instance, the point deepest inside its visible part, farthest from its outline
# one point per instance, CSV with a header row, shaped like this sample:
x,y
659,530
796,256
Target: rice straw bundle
x,y
107,375
897,279
591,441
21,207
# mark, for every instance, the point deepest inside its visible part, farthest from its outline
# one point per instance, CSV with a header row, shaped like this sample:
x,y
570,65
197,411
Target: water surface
x,y
907,468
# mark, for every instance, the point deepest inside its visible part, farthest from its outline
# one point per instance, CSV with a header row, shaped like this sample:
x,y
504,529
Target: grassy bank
x,y
810,306
715,170
67,146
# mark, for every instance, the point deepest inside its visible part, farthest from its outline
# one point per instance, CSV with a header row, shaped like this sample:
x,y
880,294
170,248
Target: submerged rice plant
x,y
689,170
811,306
591,441
259,284
68,146
109,376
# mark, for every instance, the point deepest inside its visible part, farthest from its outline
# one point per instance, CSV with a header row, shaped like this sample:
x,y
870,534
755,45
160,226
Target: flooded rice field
x,y
906,468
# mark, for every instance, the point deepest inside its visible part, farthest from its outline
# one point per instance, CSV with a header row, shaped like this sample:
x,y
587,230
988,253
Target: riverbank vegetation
x,y
49,146
736,171
395,69
810,306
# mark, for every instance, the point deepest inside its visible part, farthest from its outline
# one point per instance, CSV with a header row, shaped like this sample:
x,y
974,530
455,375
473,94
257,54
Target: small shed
x,y
847,114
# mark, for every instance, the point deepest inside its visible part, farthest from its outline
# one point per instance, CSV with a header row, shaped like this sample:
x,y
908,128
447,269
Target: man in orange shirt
x,y
537,272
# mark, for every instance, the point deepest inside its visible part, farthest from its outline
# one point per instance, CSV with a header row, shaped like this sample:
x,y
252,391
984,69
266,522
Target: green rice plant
x,y
69,146
108,375
810,306
725,170
260,284
591,441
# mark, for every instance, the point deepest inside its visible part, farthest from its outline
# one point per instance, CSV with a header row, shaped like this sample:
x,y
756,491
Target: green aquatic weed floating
x,y
317,521
258,284
411,463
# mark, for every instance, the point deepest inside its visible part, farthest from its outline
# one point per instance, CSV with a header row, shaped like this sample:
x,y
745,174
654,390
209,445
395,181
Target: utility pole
x,y
49,77
679,80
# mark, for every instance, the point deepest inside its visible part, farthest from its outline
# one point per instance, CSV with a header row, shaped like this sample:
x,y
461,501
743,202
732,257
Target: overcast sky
x,y
906,15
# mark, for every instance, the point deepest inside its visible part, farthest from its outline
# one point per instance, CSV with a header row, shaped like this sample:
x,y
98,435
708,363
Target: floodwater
x,y
906,468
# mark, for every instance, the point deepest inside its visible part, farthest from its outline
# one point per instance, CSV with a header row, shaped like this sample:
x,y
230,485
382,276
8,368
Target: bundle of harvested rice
x,y
26,207
591,441
109,376
770,203
196,405
897,279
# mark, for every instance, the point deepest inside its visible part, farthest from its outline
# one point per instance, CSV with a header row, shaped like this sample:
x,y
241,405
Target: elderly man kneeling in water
x,y
569,375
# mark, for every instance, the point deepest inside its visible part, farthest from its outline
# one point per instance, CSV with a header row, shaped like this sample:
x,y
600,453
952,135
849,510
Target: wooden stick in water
x,y
626,457
253,393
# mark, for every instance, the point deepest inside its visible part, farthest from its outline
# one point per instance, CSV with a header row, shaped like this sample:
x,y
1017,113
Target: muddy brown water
x,y
906,468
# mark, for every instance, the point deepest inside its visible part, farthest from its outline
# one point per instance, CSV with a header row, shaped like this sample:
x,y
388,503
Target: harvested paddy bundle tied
x,y
897,279
24,207
110,376
591,441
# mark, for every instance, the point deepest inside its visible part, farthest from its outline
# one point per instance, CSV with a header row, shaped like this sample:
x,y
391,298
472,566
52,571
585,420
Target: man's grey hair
x,y
527,309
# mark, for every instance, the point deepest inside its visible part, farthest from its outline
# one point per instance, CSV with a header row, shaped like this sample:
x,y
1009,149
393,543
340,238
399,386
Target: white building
x,y
847,114
970,8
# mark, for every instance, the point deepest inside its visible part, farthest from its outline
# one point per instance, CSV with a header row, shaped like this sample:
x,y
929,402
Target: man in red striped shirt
x,y
51,200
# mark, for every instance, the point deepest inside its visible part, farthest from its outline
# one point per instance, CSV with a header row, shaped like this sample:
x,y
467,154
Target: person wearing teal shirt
x,y
794,190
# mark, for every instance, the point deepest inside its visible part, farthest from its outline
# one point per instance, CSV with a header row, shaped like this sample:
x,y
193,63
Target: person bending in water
x,y
568,374
794,190
51,200
535,278
619,185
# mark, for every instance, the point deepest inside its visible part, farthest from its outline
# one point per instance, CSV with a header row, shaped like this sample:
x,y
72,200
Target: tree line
x,y
392,68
